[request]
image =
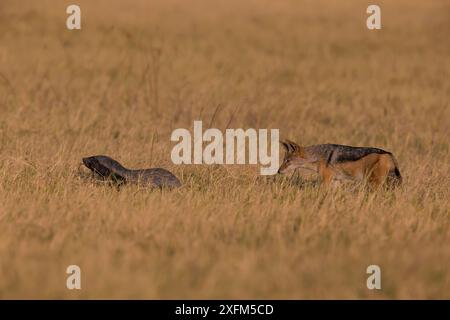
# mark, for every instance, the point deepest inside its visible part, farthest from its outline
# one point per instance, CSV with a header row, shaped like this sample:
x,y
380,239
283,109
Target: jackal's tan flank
x,y
340,162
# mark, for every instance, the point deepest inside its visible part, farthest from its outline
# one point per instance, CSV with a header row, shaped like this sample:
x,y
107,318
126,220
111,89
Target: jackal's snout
x,y
284,167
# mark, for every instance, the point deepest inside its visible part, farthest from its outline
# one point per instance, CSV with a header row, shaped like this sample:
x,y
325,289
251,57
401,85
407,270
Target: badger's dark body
x,y
109,168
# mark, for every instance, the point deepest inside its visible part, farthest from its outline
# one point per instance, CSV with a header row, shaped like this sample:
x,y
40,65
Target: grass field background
x,y
139,69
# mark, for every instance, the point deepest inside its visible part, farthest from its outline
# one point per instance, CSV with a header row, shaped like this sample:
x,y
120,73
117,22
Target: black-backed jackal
x,y
339,162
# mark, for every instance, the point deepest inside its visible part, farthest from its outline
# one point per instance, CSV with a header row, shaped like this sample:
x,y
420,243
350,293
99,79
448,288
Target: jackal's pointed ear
x,y
289,146
292,146
285,145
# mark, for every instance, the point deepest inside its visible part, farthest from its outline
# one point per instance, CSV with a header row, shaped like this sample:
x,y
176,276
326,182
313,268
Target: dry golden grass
x,y
139,69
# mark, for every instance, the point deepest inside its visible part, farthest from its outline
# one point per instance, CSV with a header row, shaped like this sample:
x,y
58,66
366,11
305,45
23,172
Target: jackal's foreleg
x,y
326,173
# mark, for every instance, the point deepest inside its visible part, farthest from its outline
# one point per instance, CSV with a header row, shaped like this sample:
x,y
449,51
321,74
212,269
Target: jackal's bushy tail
x,y
394,176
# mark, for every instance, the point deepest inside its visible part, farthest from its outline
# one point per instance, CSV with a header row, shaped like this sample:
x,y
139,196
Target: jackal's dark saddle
x,y
343,153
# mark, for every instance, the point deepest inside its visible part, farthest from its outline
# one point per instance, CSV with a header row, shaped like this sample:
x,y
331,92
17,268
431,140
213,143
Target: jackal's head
x,y
294,156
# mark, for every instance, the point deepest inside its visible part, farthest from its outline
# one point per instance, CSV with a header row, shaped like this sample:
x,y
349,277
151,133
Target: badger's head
x,y
96,164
